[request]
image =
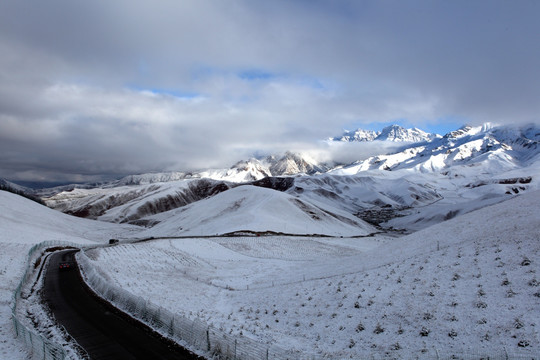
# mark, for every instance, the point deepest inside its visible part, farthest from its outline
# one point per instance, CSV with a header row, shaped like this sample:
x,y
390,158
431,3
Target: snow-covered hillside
x,y
468,285
502,148
24,223
130,203
256,209
4,184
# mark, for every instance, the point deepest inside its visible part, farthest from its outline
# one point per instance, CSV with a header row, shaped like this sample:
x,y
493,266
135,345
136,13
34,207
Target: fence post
x,y
15,325
208,338
171,327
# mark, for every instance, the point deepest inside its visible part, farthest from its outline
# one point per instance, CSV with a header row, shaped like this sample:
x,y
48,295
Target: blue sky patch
x,y
256,74
168,92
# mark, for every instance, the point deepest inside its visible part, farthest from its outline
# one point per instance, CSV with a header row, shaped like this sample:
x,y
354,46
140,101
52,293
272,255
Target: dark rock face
x,y
196,190
275,183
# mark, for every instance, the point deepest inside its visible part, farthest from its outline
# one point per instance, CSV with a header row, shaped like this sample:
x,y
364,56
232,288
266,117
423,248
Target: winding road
x,y
98,327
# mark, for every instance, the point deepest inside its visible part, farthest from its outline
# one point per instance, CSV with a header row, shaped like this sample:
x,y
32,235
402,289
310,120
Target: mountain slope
x,y
23,220
509,147
256,209
130,203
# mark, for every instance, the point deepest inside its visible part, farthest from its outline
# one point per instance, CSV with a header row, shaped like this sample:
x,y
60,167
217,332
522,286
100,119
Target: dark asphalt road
x,y
96,326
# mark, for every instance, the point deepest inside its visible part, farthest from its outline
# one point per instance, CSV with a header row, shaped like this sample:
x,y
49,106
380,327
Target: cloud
x,y
97,131
108,88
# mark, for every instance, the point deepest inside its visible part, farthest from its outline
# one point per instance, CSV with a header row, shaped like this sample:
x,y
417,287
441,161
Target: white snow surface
x,y
470,284
24,223
393,133
252,208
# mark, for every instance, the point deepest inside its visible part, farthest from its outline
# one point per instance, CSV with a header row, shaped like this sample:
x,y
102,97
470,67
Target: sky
x,y
91,90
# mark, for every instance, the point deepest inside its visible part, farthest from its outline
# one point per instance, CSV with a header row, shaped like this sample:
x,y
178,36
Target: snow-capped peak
x,y
394,133
150,178
358,135
469,130
398,133
293,163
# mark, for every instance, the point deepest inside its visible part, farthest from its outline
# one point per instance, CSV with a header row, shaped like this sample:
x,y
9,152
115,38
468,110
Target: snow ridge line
x,y
39,346
195,335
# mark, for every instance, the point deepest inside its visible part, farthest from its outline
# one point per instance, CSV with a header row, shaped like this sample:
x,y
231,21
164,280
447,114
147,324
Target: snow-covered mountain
x,y
243,171
394,133
8,185
430,181
293,164
273,165
256,209
125,203
136,196
358,135
469,168
397,133
502,148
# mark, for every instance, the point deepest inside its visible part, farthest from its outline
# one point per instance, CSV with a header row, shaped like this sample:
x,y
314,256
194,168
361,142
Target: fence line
x,y
343,267
40,347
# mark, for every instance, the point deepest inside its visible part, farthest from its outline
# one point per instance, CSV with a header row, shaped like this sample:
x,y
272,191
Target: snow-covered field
x,y
470,284
24,223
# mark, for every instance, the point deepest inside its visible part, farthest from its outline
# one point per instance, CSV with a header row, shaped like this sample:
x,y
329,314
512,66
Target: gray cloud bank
x,y
102,88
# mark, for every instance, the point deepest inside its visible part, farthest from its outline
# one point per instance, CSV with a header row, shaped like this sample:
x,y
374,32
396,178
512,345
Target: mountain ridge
x,y
448,175
393,133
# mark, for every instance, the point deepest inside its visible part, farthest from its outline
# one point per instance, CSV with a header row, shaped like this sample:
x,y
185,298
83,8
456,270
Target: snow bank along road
x,y
96,326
